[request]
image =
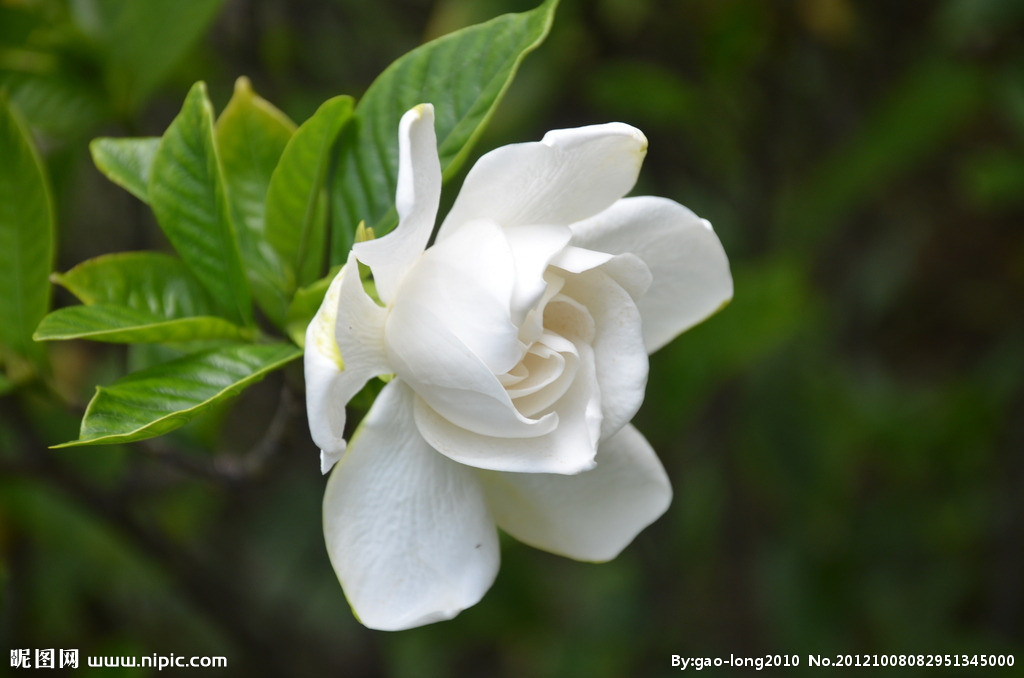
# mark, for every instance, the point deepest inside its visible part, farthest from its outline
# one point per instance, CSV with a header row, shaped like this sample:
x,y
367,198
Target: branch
x,y
226,469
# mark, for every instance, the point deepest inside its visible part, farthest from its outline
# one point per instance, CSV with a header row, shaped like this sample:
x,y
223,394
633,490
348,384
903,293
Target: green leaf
x,y
119,324
134,297
251,135
296,213
186,191
141,41
304,306
126,162
144,281
26,237
57,103
164,397
464,75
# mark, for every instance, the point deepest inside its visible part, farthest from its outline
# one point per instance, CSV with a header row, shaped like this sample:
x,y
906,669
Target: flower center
x,y
554,329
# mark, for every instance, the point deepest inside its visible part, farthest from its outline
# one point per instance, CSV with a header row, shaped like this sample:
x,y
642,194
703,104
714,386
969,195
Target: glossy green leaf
x,y
162,398
187,193
251,135
126,162
119,324
26,236
144,281
296,218
463,75
140,42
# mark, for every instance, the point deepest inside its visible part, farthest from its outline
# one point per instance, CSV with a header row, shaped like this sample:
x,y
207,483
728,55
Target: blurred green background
x,y
845,439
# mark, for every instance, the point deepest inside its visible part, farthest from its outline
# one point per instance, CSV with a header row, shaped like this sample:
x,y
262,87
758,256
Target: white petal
x,y
455,382
591,516
417,197
567,448
568,176
359,325
691,278
408,531
619,354
627,269
323,368
550,366
344,350
578,259
532,327
449,333
468,281
533,247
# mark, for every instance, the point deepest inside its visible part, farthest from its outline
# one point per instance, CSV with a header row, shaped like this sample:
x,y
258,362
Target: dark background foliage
x,y
844,439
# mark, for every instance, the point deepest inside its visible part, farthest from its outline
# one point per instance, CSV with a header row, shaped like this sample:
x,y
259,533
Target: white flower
x,y
518,344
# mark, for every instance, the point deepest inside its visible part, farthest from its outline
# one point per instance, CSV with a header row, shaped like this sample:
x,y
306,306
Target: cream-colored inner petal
x,y
552,360
568,318
551,374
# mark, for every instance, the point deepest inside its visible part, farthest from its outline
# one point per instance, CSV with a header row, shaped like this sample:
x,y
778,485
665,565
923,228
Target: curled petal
x,y
449,333
324,368
454,381
344,350
467,281
532,327
417,198
591,516
627,269
569,447
569,175
619,355
548,371
359,326
691,278
533,247
408,531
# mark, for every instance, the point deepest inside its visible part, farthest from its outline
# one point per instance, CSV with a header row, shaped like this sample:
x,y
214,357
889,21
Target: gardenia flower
x,y
516,347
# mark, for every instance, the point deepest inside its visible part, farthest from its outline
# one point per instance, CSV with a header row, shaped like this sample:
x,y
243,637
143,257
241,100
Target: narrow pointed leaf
x,y
464,75
26,237
126,162
143,281
251,135
119,324
162,398
296,217
187,193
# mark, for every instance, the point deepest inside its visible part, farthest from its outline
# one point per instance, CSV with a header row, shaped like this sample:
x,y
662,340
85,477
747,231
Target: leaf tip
x,y
199,94
243,86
